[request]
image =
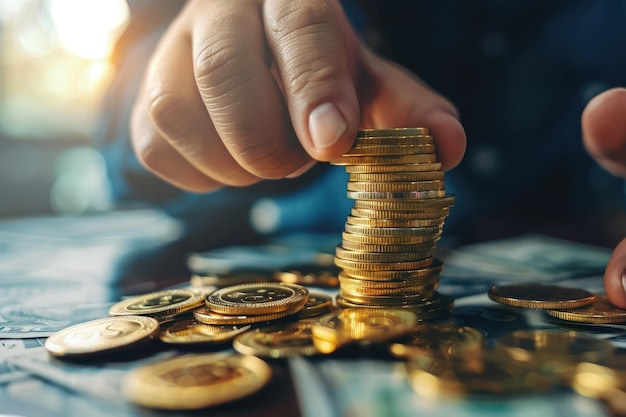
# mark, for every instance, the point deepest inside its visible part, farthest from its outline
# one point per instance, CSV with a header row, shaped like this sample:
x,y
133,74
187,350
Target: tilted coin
x,y
397,187
600,311
399,131
385,160
397,176
365,221
197,381
257,298
346,279
159,303
318,304
387,248
408,149
382,266
425,272
191,332
382,169
389,240
442,341
388,291
401,215
344,253
102,336
278,341
204,315
392,231
540,296
394,196
407,205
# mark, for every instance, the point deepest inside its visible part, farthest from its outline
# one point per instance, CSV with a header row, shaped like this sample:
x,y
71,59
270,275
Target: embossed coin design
x,y
195,381
102,336
257,298
192,332
159,303
540,296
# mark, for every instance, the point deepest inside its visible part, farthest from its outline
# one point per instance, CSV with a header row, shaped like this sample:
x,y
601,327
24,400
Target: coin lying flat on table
x,y
600,311
195,381
278,341
102,336
540,296
192,332
442,341
257,298
159,303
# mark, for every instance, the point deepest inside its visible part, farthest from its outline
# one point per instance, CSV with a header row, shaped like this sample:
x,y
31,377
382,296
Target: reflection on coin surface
x,y
190,331
102,335
195,381
540,296
206,316
257,298
159,303
439,340
600,311
278,341
317,305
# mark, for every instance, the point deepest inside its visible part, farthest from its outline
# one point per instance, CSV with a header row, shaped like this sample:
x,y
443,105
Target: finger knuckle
x,y
170,112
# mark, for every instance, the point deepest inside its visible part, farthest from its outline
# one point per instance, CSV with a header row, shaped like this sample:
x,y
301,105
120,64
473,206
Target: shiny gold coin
x,y
397,187
317,305
368,291
382,266
382,169
392,231
192,382
388,240
363,325
600,311
398,177
386,248
392,195
364,221
159,303
279,341
346,279
389,150
399,131
257,298
425,272
400,215
192,332
206,316
389,300
439,340
350,255
412,205
398,141
540,296
427,311
386,159
102,336
597,381
319,276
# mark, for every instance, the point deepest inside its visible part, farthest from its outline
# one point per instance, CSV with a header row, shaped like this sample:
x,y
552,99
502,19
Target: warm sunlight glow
x,y
89,28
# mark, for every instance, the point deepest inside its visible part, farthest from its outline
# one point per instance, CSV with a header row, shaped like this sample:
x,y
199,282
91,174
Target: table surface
x,y
55,270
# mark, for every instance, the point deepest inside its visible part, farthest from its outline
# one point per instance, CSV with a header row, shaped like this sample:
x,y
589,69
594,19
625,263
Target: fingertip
x,y
604,125
615,276
449,136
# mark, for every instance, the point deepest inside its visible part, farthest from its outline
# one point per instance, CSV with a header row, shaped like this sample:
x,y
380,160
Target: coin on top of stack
x,y
400,206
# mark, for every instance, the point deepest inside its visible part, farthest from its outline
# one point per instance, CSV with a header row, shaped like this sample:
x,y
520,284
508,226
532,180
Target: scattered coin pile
x,y
400,205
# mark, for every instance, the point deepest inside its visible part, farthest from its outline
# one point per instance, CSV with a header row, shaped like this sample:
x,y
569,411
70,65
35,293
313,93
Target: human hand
x,y
237,92
604,137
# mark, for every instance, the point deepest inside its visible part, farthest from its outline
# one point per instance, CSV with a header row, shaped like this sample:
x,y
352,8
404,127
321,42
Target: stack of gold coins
x,y
400,205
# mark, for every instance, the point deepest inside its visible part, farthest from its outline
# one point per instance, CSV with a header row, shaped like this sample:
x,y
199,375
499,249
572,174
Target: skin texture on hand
x,y
604,137
241,91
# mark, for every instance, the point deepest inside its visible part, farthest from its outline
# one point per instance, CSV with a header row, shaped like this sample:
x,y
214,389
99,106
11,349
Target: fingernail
x,y
326,125
624,281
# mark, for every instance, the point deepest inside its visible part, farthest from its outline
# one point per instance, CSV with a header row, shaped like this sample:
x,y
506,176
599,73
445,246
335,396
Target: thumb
x,y
615,276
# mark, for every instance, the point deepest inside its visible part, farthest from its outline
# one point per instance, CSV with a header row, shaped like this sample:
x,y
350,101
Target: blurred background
x,y
55,67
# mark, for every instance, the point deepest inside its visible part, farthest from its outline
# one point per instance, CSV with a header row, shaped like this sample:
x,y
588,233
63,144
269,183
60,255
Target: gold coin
x,y
388,240
399,141
369,291
425,272
192,332
382,266
382,256
279,341
400,215
426,297
206,316
319,276
397,187
346,279
257,298
597,381
159,303
197,381
398,177
398,131
392,231
392,195
363,325
317,305
381,169
540,296
600,311
412,205
439,340
386,160
386,248
102,336
389,150
364,221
